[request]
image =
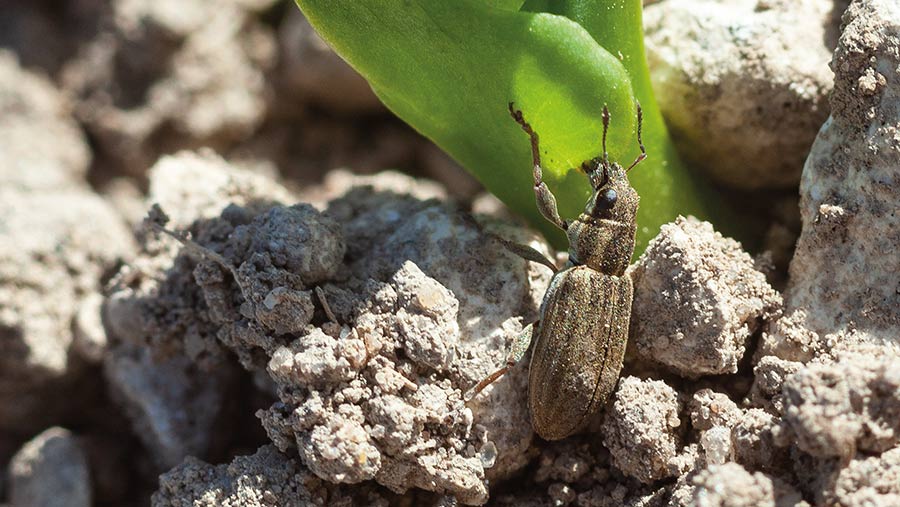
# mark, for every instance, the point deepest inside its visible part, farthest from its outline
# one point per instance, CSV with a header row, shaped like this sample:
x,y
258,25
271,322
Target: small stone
x,y
51,470
710,409
716,444
173,406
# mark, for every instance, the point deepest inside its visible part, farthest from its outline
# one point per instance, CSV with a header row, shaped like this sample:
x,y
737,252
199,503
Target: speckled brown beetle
x,y
579,340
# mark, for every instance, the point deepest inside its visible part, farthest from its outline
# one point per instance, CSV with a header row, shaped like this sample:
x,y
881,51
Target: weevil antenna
x,y
640,123
605,128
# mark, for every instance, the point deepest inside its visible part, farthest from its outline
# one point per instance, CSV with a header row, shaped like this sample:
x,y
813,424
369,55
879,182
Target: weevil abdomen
x,y
578,350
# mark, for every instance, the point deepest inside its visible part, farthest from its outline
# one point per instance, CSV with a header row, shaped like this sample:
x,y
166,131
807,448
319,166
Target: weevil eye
x,y
607,199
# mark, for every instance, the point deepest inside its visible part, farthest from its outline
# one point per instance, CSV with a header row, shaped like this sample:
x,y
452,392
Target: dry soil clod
x,y
748,110
844,284
697,301
376,395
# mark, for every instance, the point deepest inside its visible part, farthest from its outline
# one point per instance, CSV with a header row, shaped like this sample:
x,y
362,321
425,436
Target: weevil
x,y
578,343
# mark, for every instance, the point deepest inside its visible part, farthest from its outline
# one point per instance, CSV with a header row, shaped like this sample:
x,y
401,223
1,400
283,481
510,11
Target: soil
x,y
213,290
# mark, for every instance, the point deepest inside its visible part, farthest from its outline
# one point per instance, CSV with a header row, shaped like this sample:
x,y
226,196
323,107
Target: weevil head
x,y
603,235
612,197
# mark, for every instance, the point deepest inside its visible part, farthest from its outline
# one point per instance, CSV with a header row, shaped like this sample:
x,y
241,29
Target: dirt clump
x,y
32,111
698,299
643,429
352,404
748,111
140,89
844,280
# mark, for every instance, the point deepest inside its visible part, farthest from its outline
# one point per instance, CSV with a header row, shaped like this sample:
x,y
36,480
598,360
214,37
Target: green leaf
x,y
449,68
617,25
510,5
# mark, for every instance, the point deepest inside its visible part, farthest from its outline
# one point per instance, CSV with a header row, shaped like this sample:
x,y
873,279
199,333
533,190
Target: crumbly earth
x,y
31,111
845,275
158,46
748,110
310,68
265,478
845,408
312,341
248,78
58,242
697,301
376,395
643,430
731,485
171,405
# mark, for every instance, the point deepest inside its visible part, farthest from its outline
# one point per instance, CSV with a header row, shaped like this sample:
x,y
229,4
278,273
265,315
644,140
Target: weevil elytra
x,y
578,343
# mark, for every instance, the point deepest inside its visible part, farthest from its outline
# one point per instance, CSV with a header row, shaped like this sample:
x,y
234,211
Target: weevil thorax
x,y
602,237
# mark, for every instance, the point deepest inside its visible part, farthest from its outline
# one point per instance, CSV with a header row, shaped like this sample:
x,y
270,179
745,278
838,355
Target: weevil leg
x,y
524,251
521,344
546,201
519,348
640,121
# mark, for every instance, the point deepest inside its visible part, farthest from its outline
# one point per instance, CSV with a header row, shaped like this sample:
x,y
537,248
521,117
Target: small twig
x,y
325,306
